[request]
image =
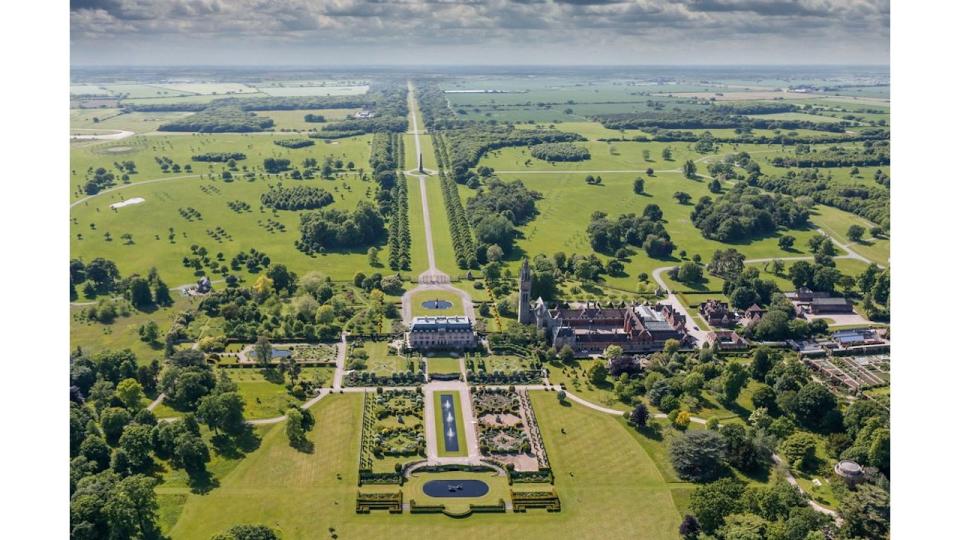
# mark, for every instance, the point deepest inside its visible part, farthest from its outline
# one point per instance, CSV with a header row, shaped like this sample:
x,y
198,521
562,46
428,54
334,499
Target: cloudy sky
x,y
410,32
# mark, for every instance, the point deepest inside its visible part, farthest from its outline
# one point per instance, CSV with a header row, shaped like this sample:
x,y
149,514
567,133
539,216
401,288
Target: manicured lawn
x,y
836,222
264,397
443,365
418,249
604,477
443,252
381,362
456,307
575,380
457,412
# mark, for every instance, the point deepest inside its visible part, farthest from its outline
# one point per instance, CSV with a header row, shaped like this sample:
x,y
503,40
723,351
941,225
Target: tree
x,y
764,397
682,197
813,403
494,253
689,527
95,449
562,396
597,372
698,456
248,532
866,513
638,185
140,295
743,527
132,509
137,444
113,420
667,154
786,242
761,363
373,256
712,502
130,392
689,169
800,450
732,381
856,232
191,453
639,416
566,354
726,263
149,332
281,278
263,350
295,432
690,272
222,412
714,186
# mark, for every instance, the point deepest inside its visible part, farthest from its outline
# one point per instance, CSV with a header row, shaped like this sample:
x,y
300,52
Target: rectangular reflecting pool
x,y
448,412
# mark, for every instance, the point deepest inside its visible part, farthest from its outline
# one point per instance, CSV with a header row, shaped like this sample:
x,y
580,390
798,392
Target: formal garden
x,y
375,363
502,369
392,434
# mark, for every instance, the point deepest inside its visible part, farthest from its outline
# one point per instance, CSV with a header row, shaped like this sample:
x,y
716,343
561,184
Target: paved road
x,y
341,362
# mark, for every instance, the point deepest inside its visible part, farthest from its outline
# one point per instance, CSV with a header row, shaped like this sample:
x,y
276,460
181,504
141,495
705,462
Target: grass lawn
x,y
264,396
418,246
443,252
563,219
150,223
574,378
457,412
604,476
836,222
123,333
382,363
443,365
456,307
499,489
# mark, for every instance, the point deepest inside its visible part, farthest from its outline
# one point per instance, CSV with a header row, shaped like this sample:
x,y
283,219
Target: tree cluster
x,y
335,229
645,231
745,212
296,198
560,151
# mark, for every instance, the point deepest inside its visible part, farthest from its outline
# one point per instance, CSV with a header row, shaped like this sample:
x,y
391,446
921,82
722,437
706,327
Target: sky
x,y
475,32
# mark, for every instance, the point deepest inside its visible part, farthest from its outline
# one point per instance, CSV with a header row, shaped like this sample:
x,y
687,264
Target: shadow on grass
x,y
234,447
272,374
202,482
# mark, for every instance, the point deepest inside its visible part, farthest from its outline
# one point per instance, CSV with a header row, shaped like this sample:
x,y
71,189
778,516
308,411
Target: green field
x,y
563,219
419,298
606,481
166,193
443,365
457,413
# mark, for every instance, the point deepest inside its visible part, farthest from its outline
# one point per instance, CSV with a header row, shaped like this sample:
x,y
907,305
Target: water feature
x,y
456,488
281,353
437,304
450,442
